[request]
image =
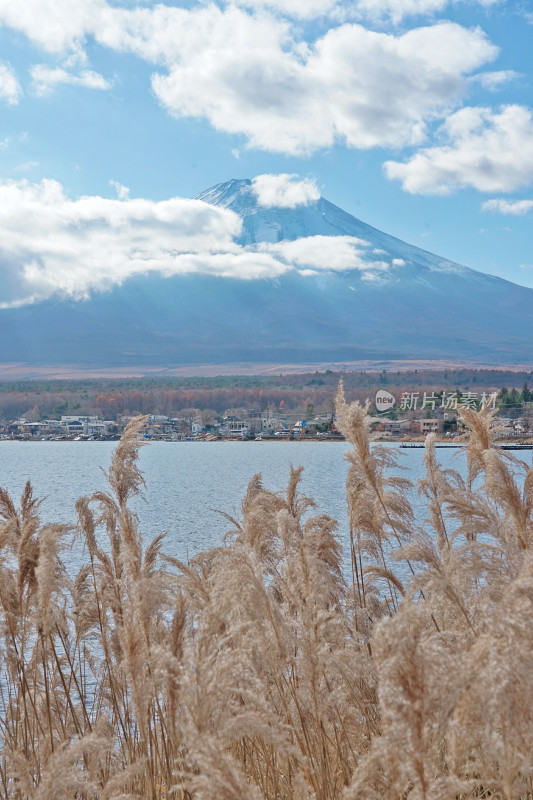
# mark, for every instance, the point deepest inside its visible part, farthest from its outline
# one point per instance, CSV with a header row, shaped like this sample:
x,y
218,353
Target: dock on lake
x,y
421,445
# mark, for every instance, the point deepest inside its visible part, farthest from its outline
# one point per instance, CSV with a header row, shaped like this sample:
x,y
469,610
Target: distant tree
x,y
33,415
60,409
108,406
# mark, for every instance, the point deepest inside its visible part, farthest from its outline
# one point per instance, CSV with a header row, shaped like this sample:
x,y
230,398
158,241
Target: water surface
x,y
187,481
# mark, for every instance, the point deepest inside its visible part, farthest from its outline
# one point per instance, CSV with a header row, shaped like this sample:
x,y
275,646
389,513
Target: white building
x,y
89,425
237,427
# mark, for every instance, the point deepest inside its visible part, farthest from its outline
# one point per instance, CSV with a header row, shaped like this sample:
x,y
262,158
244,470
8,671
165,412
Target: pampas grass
x,y
260,670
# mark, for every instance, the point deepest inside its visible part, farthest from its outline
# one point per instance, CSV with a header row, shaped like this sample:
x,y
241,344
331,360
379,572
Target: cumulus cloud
x,y
60,25
10,89
55,25
356,86
335,253
52,244
45,79
489,151
284,191
517,208
253,73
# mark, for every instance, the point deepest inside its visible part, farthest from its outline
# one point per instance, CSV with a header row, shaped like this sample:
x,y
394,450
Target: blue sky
x,y
414,115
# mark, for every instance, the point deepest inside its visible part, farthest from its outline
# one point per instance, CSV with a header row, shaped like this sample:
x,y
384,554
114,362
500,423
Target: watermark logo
x,y
447,401
384,400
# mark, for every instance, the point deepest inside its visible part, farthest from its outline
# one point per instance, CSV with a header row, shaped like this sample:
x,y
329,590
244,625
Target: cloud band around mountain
x,y
53,245
284,191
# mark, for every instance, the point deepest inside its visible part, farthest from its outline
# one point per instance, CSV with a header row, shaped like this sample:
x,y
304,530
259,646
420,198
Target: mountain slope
x,y
323,218
415,305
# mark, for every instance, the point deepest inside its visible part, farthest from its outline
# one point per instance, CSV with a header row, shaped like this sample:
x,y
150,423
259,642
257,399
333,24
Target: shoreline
x,y
414,443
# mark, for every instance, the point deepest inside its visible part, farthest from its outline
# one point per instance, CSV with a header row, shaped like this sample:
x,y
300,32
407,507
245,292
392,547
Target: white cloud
x,y
7,141
300,9
61,26
397,10
252,73
26,166
284,191
517,208
45,79
335,253
54,245
55,25
123,193
491,152
249,72
353,85
10,89
494,80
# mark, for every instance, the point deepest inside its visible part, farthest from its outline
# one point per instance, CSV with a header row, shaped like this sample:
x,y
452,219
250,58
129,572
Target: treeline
x,y
40,399
513,398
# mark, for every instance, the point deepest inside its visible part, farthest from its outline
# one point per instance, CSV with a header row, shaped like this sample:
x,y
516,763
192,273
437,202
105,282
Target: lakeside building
x,y
236,427
85,425
241,423
430,425
391,427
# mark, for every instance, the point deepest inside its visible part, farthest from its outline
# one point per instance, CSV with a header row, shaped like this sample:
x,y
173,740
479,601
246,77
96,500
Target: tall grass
x,y
258,670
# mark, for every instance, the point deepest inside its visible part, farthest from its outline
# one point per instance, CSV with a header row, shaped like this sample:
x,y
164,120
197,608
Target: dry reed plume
x,y
259,670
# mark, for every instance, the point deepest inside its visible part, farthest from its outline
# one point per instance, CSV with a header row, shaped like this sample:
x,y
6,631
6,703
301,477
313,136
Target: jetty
x,y
421,445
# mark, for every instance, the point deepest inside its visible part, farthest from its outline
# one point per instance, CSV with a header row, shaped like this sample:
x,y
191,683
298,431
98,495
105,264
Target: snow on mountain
x,y
322,218
350,292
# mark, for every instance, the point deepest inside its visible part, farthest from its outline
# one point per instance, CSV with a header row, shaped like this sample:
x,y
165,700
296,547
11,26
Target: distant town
x,y
250,425
402,405
255,425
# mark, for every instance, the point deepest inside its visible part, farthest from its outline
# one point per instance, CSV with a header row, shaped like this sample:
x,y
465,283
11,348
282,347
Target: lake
x,y
186,482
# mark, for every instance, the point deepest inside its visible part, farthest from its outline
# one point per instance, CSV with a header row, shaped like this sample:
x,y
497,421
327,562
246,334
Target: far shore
x,y
525,443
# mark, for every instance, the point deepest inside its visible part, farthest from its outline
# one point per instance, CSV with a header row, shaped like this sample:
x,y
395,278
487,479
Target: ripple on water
x,y
186,482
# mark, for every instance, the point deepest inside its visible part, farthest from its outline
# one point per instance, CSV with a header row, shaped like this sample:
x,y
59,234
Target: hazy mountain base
x,y
258,670
293,319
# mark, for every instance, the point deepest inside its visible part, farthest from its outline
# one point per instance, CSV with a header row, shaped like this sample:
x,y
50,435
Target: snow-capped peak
x,y
320,218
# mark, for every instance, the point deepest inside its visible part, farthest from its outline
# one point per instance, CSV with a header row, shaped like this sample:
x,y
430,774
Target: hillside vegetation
x,y
39,399
277,666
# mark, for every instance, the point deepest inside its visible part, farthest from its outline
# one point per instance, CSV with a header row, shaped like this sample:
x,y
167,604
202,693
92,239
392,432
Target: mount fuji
x,y
347,292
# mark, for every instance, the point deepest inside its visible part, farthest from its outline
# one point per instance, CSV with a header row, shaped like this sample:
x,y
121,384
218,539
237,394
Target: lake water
x,y
186,482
